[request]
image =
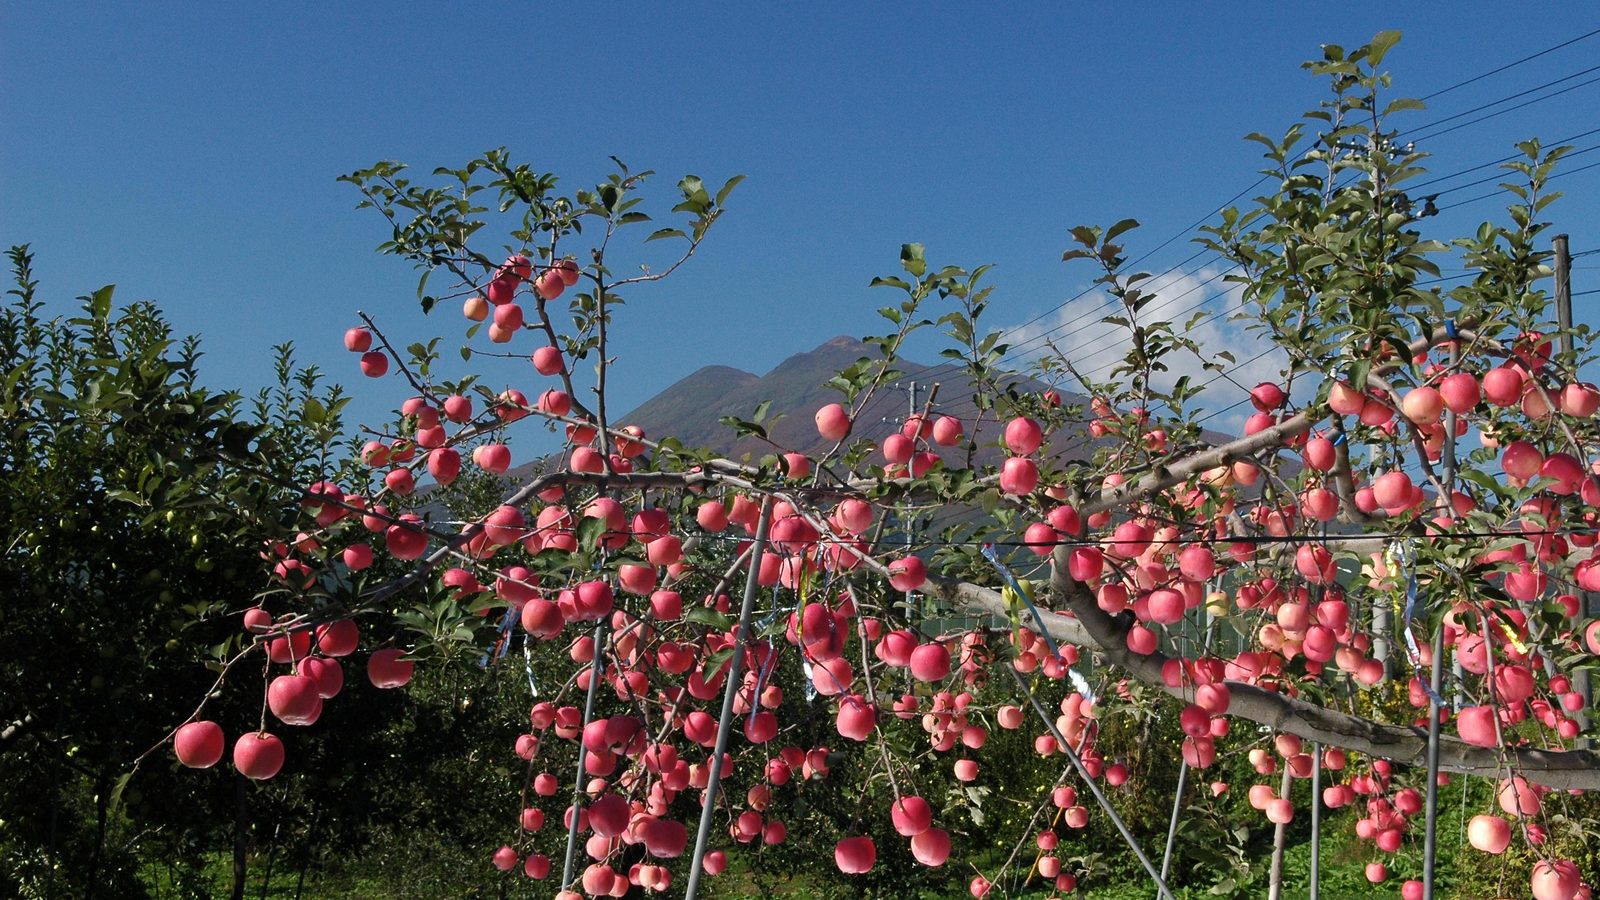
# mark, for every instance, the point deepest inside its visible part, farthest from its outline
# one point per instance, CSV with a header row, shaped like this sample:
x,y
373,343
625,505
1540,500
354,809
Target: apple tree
x,y
1375,587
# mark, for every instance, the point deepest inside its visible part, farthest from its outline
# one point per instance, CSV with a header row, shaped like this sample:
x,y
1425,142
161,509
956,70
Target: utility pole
x,y
911,412
1564,291
1563,271
911,388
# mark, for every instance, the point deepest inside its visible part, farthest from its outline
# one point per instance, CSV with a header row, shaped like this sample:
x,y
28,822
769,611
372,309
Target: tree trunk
x,y
241,835
272,849
1280,840
55,818
101,806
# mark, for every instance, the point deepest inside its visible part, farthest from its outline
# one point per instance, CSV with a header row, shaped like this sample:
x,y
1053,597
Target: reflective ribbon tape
x,y
771,661
502,641
1403,555
1078,681
527,663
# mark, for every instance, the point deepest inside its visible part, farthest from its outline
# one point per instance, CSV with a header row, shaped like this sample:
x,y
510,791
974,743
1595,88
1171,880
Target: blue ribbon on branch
x,y
1006,575
1405,557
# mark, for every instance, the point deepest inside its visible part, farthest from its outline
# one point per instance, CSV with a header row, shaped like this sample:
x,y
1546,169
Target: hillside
x,y
691,409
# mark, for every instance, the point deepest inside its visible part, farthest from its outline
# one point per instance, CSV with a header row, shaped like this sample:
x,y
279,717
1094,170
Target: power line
x,y
1213,414
1412,131
1014,351
1504,159
1499,175
1043,337
1442,91
1502,193
1223,374
938,371
1512,65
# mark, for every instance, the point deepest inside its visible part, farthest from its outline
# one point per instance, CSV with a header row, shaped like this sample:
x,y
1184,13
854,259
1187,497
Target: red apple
x,y
1491,834
258,755
198,744
855,855
387,668
931,847
833,423
294,699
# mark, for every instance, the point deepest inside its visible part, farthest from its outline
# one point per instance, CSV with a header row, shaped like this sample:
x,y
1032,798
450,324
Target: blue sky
x,y
188,152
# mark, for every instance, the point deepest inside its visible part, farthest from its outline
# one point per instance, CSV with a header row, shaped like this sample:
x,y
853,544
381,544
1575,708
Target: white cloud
x,y
1094,347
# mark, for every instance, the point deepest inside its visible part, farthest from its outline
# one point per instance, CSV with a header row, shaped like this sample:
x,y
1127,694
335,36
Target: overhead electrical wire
x,y
1412,131
1015,351
1511,65
1498,175
1494,194
1494,162
1333,537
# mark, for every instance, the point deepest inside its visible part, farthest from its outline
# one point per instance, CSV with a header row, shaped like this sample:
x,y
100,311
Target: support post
x,y
1581,681
1094,787
1382,633
708,811
1172,824
1280,840
241,834
596,667
1316,820
1563,274
1430,834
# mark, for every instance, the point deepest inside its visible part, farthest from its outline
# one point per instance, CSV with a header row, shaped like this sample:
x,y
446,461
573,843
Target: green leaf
x,y
743,427
912,258
1120,227
728,187
716,661
1403,103
1380,45
709,617
117,791
100,302
661,233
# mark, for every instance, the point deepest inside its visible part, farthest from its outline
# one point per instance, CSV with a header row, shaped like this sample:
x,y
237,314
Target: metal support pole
x,y
1563,274
596,667
1280,839
1172,825
1316,819
1382,633
1430,834
1094,788
1207,622
725,724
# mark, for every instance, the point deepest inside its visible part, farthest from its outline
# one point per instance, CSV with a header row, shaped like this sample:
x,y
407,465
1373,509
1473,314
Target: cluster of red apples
x,y
1161,560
